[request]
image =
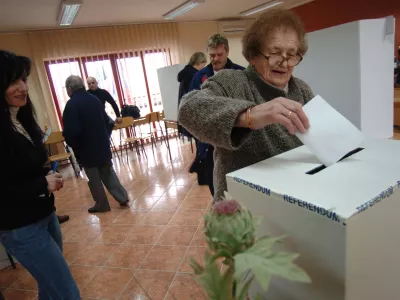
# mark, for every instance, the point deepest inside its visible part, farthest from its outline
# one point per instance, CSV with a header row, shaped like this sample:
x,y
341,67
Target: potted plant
x,y
230,235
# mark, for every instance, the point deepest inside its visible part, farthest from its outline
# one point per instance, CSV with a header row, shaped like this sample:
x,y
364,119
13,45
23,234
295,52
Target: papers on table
x,y
330,136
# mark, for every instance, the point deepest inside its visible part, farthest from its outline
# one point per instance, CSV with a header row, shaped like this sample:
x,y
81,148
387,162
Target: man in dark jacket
x,y
218,50
86,133
197,61
104,96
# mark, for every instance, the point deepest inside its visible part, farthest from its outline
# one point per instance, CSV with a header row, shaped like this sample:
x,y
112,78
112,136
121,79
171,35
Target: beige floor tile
x,y
11,294
177,235
96,254
129,256
115,233
109,283
145,234
148,285
164,258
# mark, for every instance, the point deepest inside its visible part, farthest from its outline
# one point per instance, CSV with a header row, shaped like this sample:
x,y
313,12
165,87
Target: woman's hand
x,y
54,181
282,111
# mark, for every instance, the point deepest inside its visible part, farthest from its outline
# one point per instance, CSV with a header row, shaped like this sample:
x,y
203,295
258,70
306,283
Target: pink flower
x,y
226,207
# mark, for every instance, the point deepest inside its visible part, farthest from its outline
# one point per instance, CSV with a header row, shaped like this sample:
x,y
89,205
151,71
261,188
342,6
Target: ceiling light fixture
x,y
259,8
184,8
68,12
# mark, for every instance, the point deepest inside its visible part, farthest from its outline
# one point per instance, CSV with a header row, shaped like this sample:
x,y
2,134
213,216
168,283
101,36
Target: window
x,y
152,62
101,69
133,83
59,71
131,78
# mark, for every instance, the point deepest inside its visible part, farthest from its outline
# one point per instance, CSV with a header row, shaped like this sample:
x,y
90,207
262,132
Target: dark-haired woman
x,y
29,229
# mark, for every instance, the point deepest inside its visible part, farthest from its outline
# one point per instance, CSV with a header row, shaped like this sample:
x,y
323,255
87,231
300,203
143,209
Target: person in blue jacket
x,y
85,131
218,50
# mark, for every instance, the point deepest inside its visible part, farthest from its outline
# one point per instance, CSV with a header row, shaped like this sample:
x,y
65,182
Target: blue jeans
x,y
38,247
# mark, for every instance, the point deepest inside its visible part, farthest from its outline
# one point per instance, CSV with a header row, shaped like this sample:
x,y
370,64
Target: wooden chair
x,y
173,130
55,138
132,138
155,128
170,126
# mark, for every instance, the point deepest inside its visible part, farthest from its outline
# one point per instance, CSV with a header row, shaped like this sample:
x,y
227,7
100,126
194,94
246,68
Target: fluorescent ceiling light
x,y
68,12
259,8
184,8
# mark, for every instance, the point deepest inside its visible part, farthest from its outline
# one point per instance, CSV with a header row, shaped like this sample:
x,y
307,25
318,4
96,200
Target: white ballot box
x,y
343,220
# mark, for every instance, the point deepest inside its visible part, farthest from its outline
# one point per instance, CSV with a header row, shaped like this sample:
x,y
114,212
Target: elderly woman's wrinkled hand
x,y
280,111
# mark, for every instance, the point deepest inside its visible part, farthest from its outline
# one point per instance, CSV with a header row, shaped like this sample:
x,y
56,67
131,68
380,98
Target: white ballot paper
x,y
330,136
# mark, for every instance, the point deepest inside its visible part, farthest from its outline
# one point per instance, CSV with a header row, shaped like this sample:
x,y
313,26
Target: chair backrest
x,y
55,138
171,124
154,117
162,115
126,122
142,121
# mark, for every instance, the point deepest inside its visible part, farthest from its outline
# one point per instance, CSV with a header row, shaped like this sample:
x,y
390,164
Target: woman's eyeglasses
x,y
278,59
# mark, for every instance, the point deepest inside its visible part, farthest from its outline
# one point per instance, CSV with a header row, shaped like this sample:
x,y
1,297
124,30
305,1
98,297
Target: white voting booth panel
x,y
169,88
351,66
342,220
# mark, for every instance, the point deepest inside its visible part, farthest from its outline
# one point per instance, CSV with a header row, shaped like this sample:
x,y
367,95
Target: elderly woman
x,y
247,115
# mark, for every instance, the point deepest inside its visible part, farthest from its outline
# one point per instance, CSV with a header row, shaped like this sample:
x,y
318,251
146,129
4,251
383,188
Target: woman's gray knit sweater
x,y
210,115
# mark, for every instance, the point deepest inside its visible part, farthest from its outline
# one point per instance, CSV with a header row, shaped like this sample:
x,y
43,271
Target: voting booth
x,y
351,66
343,220
169,89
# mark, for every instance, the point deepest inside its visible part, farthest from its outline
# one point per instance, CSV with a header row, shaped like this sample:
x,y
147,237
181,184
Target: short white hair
x,y
74,82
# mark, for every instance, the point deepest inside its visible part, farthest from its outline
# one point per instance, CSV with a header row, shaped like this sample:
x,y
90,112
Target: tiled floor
x,y
137,253
141,252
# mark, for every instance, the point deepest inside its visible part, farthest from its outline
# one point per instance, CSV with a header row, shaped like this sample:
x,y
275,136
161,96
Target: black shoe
x,y
93,210
62,219
125,204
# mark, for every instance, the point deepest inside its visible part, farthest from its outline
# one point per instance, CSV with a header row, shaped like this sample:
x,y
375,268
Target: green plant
x,y
230,235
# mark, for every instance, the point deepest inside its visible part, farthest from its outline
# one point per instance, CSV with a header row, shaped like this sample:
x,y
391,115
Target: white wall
x,y
235,53
193,37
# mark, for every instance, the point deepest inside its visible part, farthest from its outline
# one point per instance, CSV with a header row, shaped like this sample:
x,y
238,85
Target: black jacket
x,y
24,197
85,129
104,97
185,78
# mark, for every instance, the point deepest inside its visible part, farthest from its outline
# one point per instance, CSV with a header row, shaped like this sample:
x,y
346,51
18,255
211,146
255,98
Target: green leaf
x,y
263,246
197,268
242,288
263,267
212,281
281,264
248,261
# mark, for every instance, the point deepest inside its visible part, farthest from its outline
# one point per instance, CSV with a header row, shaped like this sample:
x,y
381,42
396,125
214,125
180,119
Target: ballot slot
x,y
322,167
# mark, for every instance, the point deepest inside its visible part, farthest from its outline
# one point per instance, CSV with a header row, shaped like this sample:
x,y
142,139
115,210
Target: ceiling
x,y
18,15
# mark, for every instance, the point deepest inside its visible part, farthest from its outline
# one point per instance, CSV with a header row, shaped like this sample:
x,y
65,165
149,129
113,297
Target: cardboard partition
x,y
342,220
169,89
351,67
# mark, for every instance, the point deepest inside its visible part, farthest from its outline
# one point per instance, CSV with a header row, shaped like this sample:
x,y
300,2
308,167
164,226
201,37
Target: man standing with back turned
x,y
85,131
218,50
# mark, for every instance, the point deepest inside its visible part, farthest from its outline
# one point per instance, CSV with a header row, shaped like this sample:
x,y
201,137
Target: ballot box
x,y
343,220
